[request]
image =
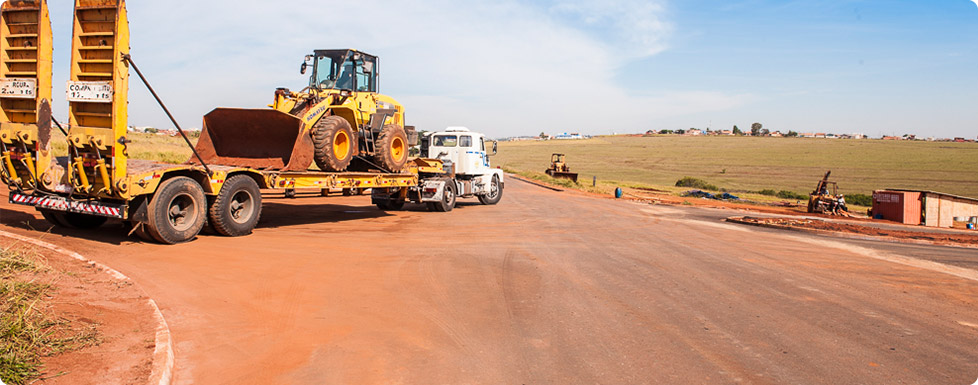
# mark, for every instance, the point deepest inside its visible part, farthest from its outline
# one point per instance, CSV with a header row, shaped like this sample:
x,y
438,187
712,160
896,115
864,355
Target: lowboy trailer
x,y
171,203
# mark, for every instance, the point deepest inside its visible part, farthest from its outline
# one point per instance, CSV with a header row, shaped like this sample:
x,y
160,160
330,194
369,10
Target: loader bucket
x,y
572,176
263,139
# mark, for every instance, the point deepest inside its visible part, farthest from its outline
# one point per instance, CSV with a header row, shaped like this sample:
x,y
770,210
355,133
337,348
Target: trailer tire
x,y
237,208
392,148
495,192
177,211
334,142
448,199
84,221
391,205
55,218
73,220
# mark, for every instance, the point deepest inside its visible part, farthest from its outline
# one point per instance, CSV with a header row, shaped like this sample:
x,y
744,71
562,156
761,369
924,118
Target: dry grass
x,y
27,329
745,164
159,148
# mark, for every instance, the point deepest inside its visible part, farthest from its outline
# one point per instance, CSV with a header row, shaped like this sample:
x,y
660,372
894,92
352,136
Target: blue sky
x,y
519,68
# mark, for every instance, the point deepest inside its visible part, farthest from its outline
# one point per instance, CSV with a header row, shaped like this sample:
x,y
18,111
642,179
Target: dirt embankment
x,y
948,238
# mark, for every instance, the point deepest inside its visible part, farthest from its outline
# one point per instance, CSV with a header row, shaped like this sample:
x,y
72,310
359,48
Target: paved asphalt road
x,y
545,288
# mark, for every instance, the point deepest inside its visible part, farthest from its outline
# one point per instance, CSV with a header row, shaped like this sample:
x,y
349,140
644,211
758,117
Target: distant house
x,y
806,135
892,138
820,135
727,132
652,132
566,136
777,134
831,136
960,140
694,132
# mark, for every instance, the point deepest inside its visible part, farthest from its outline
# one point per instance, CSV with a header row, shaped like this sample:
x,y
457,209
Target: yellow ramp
x,y
25,92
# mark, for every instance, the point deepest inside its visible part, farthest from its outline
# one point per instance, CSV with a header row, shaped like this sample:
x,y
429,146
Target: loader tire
x,y
495,192
177,211
392,148
237,208
334,142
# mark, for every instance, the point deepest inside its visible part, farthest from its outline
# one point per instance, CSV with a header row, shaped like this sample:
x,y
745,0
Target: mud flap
x,y
433,190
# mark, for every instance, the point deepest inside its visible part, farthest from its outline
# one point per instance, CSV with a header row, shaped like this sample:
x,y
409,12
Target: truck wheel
x,y
495,192
333,141
447,202
237,208
177,211
392,148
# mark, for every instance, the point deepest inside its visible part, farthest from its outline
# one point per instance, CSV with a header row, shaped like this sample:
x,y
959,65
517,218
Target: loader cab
x,y
343,69
465,149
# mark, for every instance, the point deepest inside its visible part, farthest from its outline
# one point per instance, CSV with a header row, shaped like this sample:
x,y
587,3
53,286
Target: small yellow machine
x,y
559,169
825,196
339,120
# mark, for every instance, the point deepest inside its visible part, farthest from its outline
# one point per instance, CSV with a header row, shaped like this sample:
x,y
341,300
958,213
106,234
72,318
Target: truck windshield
x,y
333,70
446,141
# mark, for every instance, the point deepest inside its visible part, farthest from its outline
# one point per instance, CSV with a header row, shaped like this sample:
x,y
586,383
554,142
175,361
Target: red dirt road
x,y
546,287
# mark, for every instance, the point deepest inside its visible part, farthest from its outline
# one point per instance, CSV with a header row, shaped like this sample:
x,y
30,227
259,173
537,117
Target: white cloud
x,y
503,67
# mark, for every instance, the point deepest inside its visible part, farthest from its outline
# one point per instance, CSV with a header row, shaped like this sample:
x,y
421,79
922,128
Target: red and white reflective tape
x,y
64,205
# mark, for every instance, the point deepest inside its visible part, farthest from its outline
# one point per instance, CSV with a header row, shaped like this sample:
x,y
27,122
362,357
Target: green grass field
x,y
754,164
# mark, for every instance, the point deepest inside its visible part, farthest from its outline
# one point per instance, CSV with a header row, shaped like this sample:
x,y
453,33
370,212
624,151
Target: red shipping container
x,y
897,206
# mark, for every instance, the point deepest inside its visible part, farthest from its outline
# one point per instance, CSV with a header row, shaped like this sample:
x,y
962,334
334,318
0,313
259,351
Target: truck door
x,y
469,155
473,159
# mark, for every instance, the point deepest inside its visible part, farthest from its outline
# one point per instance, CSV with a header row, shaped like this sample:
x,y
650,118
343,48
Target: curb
x,y
840,234
162,372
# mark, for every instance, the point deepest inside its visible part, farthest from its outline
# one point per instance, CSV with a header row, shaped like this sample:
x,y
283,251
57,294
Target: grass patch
x,y
785,194
859,200
696,183
27,331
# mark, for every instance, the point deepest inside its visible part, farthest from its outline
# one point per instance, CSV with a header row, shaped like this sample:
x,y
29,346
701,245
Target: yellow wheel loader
x,y
339,121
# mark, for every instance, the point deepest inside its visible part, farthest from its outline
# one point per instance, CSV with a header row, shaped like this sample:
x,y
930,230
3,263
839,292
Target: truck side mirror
x,y
495,147
302,69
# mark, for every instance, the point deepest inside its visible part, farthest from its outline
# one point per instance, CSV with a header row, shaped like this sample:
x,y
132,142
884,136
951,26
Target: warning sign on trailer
x,y
18,88
92,92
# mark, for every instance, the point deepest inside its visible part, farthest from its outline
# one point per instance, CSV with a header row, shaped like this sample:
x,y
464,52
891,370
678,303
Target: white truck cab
x,y
466,156
463,148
